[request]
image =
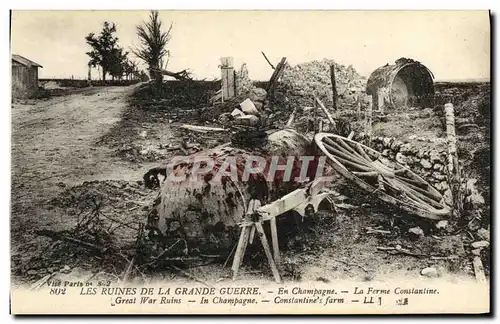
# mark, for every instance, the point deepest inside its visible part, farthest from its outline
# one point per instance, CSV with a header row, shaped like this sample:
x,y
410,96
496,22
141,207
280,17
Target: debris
x,y
272,66
59,236
416,232
248,107
301,81
429,272
451,257
400,158
249,120
479,269
399,250
143,134
278,72
345,206
216,97
236,112
425,164
473,198
442,224
202,129
352,264
483,234
37,285
66,269
480,244
292,118
322,106
370,230
189,275
476,252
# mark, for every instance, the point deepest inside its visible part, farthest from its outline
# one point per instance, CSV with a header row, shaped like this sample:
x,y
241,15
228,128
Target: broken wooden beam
x,y
271,64
265,245
202,129
322,106
274,239
278,72
292,118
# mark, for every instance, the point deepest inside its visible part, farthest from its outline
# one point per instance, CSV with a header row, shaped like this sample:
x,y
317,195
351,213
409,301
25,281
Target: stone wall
x,y
427,162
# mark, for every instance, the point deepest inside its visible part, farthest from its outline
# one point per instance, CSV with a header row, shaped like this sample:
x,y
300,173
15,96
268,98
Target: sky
x,y
453,44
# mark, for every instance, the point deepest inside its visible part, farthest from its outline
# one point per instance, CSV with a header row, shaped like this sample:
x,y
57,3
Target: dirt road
x,y
53,146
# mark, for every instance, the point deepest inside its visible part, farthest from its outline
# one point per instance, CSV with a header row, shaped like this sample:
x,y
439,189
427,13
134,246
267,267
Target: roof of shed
x,y
384,75
24,61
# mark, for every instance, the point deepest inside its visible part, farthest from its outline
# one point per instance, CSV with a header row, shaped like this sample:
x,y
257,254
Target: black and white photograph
x,y
250,162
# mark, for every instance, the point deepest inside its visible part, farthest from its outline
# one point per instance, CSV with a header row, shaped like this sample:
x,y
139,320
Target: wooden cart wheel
x,y
390,181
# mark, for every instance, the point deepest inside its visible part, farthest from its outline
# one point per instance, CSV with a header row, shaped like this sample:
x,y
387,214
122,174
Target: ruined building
x,y
407,83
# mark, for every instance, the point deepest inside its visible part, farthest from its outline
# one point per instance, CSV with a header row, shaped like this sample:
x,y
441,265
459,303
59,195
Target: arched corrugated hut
x,y
405,83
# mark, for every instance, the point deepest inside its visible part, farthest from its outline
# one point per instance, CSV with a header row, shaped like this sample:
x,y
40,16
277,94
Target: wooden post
x,y
227,77
265,245
274,237
278,72
315,116
89,77
453,168
240,250
334,86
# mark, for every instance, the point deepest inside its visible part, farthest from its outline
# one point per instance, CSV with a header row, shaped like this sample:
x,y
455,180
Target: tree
x,y
105,50
119,63
153,45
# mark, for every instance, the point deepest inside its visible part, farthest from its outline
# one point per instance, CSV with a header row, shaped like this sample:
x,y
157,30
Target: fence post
x,y
453,167
227,77
334,87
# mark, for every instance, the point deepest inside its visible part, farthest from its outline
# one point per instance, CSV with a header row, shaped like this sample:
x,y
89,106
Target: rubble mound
x,y
300,82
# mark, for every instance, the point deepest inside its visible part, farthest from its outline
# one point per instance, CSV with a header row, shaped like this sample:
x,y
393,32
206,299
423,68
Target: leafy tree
x,y
105,50
119,63
153,45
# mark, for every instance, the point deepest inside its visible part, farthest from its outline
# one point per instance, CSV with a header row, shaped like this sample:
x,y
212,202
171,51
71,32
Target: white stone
x,y
248,107
417,231
65,269
405,148
429,272
247,120
435,156
236,112
425,164
480,244
442,224
483,234
400,158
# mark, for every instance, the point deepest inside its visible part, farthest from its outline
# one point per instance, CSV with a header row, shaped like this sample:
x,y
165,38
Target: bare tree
x,y
153,45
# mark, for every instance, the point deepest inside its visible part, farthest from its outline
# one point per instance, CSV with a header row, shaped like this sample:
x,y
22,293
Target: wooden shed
x,y
24,77
406,83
